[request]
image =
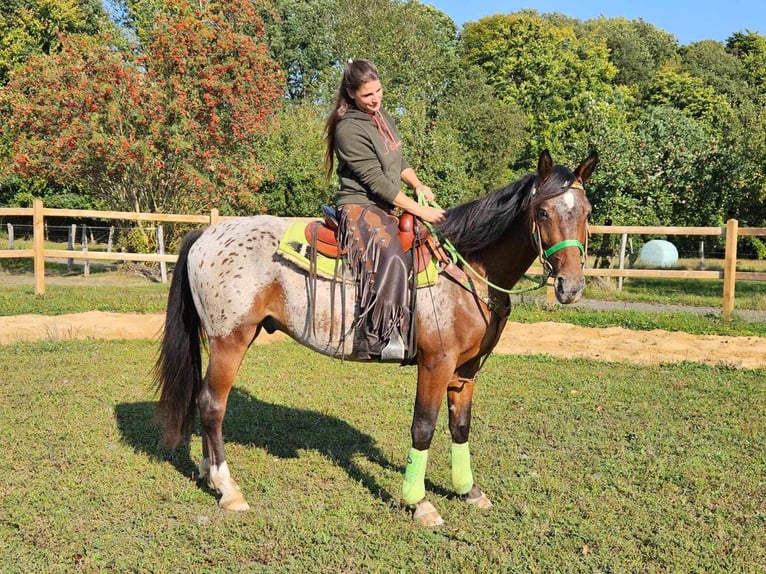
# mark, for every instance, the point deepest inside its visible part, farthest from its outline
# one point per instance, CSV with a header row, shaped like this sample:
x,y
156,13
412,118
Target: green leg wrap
x,y
462,477
414,487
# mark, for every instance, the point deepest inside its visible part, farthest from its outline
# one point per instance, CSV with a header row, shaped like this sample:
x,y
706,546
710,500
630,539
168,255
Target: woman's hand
x,y
425,191
430,214
424,212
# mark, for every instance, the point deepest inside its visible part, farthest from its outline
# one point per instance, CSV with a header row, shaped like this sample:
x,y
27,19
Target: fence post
x,y
730,269
214,215
38,246
111,239
10,236
70,244
86,262
161,251
623,245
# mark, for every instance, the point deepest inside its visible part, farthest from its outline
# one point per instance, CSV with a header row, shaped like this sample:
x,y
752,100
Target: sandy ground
x,y
556,339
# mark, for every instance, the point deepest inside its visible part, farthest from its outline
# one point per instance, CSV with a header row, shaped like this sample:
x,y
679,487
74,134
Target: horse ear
x,y
586,168
544,165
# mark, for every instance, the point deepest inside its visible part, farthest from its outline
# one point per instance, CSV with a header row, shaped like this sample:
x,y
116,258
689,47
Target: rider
x,y
371,167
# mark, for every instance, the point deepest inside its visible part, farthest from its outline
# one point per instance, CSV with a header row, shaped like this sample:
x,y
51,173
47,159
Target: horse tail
x,y
178,370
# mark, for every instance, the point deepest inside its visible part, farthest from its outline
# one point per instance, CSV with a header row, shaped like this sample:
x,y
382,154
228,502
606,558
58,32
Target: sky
x,y
688,20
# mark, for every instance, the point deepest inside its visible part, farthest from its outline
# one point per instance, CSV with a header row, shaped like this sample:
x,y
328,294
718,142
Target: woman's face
x,y
368,96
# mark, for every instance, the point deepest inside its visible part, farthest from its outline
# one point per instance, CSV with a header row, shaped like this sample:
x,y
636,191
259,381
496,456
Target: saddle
x,y
322,234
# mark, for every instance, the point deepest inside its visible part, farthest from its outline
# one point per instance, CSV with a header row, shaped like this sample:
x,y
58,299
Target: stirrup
x,y
395,349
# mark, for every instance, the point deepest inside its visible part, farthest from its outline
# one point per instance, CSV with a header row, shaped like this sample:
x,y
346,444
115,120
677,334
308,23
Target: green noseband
x,y
560,245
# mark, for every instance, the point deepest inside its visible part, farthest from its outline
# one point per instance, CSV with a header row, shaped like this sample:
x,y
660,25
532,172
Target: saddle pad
x,y
294,247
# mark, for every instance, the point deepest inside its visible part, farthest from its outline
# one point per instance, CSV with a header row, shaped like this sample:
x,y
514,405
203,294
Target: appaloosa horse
x,y
230,282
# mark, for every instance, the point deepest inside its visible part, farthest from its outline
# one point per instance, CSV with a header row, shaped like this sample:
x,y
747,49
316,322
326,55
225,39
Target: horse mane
x,y
477,224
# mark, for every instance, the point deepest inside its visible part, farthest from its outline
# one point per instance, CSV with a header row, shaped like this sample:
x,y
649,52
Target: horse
x,y
230,283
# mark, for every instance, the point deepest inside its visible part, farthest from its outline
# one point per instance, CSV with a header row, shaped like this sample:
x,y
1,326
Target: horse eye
x,y
542,214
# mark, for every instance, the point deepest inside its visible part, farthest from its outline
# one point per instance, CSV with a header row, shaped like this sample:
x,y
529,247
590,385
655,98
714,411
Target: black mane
x,y
475,225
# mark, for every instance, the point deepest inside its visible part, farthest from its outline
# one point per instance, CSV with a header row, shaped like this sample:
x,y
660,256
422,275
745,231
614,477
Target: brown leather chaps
x,y
383,273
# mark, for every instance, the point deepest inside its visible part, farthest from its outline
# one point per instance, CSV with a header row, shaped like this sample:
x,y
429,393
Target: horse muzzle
x,y
569,288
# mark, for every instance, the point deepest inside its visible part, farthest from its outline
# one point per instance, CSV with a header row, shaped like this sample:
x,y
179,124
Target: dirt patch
x,y
555,339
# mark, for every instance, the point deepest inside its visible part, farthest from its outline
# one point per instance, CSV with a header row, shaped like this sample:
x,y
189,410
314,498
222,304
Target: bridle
x,y
545,254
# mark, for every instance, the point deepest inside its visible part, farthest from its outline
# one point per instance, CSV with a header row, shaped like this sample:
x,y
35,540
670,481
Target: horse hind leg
x,y
226,355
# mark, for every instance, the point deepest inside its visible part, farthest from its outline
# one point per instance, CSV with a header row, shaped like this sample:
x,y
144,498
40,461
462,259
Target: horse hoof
x,y
477,498
427,515
234,504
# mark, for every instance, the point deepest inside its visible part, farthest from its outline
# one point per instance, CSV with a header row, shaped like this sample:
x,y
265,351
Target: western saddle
x,y
322,235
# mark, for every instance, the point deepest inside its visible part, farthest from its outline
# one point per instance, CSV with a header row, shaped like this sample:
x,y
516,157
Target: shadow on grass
x,y
281,430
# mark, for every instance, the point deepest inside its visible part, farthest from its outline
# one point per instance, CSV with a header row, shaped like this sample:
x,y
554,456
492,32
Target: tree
x,y
30,27
750,49
492,136
673,87
719,69
544,70
173,128
636,48
293,156
663,169
81,117
301,37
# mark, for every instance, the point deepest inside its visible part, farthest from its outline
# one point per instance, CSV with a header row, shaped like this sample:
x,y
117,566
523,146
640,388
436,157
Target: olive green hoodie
x,y
370,160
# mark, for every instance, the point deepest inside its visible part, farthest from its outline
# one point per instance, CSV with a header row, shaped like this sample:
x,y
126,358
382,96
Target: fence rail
x,y
729,275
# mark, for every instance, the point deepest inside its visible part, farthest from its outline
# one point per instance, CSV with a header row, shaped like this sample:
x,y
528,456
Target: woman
x,y
371,168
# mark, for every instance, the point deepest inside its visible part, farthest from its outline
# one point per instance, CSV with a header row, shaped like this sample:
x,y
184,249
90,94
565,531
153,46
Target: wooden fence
x,y
729,275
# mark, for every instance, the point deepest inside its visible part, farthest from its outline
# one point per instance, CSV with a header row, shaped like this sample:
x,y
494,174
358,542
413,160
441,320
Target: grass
x,y
693,292
108,288
592,468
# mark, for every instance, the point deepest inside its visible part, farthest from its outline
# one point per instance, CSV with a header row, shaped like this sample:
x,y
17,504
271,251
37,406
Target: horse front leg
x,y
430,393
222,368
459,400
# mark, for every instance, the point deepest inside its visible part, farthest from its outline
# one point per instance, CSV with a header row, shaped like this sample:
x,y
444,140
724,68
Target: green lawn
x,y
592,467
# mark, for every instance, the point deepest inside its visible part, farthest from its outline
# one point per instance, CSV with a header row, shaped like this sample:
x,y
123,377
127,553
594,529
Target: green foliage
x,y
547,71
21,192
750,48
137,240
663,169
138,17
672,87
301,38
636,48
710,62
293,154
29,27
758,246
491,136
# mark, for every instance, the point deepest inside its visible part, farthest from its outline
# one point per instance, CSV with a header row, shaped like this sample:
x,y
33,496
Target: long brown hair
x,y
356,73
